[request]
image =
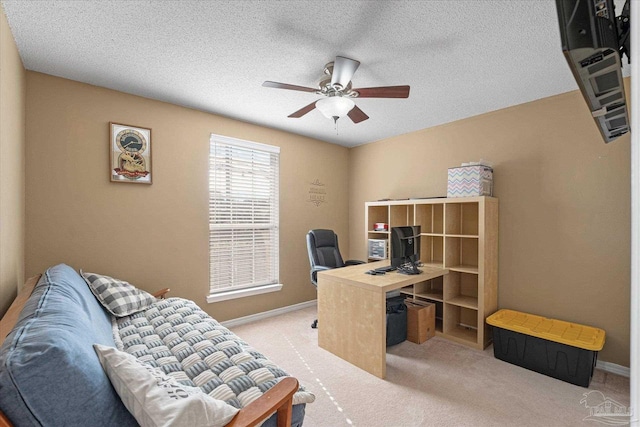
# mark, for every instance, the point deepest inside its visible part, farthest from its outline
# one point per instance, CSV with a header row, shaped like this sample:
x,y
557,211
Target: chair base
x,y
314,325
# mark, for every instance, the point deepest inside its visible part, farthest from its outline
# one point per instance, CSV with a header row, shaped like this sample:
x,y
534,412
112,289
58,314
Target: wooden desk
x,y
352,312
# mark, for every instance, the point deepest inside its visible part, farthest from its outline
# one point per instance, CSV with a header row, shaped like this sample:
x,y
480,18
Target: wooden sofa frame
x,y
277,399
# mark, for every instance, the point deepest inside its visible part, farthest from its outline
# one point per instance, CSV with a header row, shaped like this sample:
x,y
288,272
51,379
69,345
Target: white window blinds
x,y
243,214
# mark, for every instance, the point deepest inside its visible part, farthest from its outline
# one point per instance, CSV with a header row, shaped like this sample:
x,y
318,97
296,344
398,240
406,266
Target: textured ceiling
x,y
461,58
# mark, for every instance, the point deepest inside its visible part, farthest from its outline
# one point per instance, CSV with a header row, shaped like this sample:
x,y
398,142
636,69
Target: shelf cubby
x,y
400,215
430,218
461,254
461,323
431,250
431,289
461,219
377,214
461,289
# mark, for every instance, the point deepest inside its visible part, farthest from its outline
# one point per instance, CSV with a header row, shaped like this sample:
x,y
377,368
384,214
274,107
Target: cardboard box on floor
x,y
421,320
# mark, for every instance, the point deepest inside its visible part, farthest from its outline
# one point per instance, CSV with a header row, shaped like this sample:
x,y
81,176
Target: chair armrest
x,y
353,262
278,398
162,293
314,273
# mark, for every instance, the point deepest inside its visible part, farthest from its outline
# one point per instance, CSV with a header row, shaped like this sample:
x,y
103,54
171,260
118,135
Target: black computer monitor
x,y
405,249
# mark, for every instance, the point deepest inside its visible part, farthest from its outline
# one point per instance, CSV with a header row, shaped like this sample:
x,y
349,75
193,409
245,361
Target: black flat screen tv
x,y
593,42
405,249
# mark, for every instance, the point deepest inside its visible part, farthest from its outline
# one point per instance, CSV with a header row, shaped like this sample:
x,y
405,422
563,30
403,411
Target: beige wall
x,y
564,197
12,142
564,226
157,235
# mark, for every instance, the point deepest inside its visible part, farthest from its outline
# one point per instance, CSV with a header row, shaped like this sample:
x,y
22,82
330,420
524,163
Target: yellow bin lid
x,y
572,334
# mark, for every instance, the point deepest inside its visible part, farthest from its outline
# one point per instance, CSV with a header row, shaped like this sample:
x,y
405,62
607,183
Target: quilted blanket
x,y
189,345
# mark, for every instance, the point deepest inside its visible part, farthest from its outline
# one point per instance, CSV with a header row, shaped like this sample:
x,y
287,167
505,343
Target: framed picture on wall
x,y
130,154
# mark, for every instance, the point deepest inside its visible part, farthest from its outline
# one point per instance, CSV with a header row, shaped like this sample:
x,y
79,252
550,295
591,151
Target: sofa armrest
x,y
278,398
10,318
4,421
162,293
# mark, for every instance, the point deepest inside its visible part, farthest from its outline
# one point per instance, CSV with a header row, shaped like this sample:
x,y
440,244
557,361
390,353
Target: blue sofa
x,y
49,372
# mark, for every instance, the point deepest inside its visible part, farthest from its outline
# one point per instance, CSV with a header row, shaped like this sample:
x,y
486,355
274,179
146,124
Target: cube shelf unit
x,y
461,235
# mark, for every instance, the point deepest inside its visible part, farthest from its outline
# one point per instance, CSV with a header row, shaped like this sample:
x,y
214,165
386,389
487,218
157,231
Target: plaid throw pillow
x,y
120,298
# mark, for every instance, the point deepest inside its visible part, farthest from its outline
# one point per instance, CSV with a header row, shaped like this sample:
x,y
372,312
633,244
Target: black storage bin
x,y
396,320
564,362
559,349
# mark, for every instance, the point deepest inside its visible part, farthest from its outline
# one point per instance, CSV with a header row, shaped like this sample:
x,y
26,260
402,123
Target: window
x,y
243,218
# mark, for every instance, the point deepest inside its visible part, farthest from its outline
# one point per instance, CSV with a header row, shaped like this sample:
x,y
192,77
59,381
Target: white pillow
x,y
156,399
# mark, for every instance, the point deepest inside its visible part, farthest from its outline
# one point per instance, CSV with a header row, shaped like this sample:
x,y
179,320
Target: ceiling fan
x,y
336,86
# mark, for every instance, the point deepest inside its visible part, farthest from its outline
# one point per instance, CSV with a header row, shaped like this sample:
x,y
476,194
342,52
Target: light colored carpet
x,y
434,383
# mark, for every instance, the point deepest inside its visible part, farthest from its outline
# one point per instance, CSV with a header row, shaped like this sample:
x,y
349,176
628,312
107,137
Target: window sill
x,y
241,293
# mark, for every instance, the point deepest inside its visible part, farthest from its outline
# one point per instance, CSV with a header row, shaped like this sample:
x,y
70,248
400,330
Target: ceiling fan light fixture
x,y
334,107
337,87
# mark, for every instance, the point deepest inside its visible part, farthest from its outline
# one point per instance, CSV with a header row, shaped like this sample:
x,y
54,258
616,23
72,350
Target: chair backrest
x,y
323,249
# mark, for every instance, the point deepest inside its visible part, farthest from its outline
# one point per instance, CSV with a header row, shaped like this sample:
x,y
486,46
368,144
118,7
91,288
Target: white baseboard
x,y
266,314
613,368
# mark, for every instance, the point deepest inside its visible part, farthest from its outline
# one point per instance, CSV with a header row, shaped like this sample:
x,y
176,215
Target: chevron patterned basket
x,y
470,181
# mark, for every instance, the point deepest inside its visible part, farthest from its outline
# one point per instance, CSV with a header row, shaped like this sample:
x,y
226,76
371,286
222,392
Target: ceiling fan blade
x,y
383,92
343,70
288,86
304,110
357,115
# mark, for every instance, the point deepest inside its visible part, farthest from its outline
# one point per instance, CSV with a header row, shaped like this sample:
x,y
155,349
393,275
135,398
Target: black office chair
x,y
324,254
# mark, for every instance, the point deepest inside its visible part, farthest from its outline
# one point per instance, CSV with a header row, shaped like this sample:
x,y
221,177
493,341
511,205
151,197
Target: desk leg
x,y
352,324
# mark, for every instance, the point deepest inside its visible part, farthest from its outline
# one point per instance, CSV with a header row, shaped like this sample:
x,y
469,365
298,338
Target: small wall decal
x,y
317,193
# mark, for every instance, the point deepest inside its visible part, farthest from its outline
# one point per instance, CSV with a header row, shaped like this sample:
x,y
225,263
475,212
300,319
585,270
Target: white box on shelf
x,y
470,181
378,248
